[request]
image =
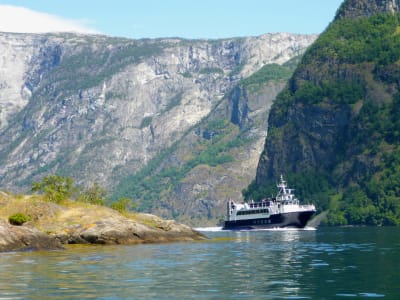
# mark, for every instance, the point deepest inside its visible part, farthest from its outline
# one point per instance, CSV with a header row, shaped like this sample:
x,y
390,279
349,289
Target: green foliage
x,y
58,189
211,70
374,125
354,68
292,63
334,67
376,202
187,74
217,124
267,73
336,218
93,194
256,192
236,70
88,67
341,91
18,219
156,180
143,185
123,204
146,122
358,208
354,41
55,188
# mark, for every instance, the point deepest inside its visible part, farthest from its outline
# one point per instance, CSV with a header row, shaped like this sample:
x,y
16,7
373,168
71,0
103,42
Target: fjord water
x,y
327,263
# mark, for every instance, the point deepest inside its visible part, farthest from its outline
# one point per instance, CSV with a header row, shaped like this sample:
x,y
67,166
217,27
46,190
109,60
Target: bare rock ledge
x,y
53,225
22,238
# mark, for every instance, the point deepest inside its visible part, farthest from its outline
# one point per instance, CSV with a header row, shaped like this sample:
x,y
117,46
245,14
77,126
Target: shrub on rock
x,y
18,219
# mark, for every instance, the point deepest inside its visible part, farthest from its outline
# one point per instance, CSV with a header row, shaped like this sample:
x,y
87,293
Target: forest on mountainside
x,y
335,129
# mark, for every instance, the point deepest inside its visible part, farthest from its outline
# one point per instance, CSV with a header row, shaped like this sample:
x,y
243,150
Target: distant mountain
x,y
335,129
177,125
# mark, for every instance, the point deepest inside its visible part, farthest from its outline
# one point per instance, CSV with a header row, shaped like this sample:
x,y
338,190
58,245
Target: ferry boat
x,y
282,211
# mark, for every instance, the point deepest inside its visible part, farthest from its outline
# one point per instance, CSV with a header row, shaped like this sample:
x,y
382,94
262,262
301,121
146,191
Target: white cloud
x,y
24,20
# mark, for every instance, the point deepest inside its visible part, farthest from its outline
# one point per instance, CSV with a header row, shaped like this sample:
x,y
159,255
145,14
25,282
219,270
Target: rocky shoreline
x,y
51,226
22,238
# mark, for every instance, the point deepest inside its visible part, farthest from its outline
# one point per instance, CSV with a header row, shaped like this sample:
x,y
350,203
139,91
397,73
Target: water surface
x,y
328,263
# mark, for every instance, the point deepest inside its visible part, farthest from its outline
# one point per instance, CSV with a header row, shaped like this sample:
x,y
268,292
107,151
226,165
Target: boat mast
x,y
281,189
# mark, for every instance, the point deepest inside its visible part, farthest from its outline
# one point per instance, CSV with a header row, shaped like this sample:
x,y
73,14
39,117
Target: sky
x,y
190,19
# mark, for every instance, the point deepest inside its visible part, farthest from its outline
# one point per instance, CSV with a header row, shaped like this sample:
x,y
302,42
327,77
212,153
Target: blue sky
x,y
173,18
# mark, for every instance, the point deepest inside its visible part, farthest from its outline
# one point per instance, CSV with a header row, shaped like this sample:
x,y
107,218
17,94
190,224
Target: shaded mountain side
x,y
105,110
334,131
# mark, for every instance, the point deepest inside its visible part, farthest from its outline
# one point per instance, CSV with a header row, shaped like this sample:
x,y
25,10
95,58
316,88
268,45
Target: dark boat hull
x,y
292,219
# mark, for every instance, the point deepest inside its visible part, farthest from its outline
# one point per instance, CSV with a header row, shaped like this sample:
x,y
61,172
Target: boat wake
x,y
219,229
209,229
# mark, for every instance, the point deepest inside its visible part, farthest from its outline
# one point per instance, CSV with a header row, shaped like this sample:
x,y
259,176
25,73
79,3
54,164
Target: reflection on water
x,y
285,264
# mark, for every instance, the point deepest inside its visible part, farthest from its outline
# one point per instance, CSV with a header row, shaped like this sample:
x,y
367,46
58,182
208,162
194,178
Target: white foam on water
x,y
209,229
286,229
219,229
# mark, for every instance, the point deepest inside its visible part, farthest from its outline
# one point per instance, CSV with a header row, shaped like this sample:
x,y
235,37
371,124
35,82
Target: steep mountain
x,y
175,124
193,179
335,130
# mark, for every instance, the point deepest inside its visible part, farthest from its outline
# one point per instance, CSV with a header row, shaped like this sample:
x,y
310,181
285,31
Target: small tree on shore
x,y
94,194
123,204
55,188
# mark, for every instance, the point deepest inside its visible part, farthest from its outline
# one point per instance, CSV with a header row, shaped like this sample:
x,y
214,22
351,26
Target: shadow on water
x,y
328,263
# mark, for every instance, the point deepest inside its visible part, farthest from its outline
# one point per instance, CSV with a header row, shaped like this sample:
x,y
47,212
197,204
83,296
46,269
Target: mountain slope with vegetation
x,y
192,180
156,120
335,130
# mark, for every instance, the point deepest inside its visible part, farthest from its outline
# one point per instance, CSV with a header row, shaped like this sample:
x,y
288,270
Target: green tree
x,y
94,194
123,204
55,188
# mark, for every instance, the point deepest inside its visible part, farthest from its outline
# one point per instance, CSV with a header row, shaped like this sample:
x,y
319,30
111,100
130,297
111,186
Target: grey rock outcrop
x,y
116,229
52,225
23,238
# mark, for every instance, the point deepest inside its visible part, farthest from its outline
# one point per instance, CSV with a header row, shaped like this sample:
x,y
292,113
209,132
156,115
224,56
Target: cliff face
x,y
24,59
332,131
100,109
219,158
